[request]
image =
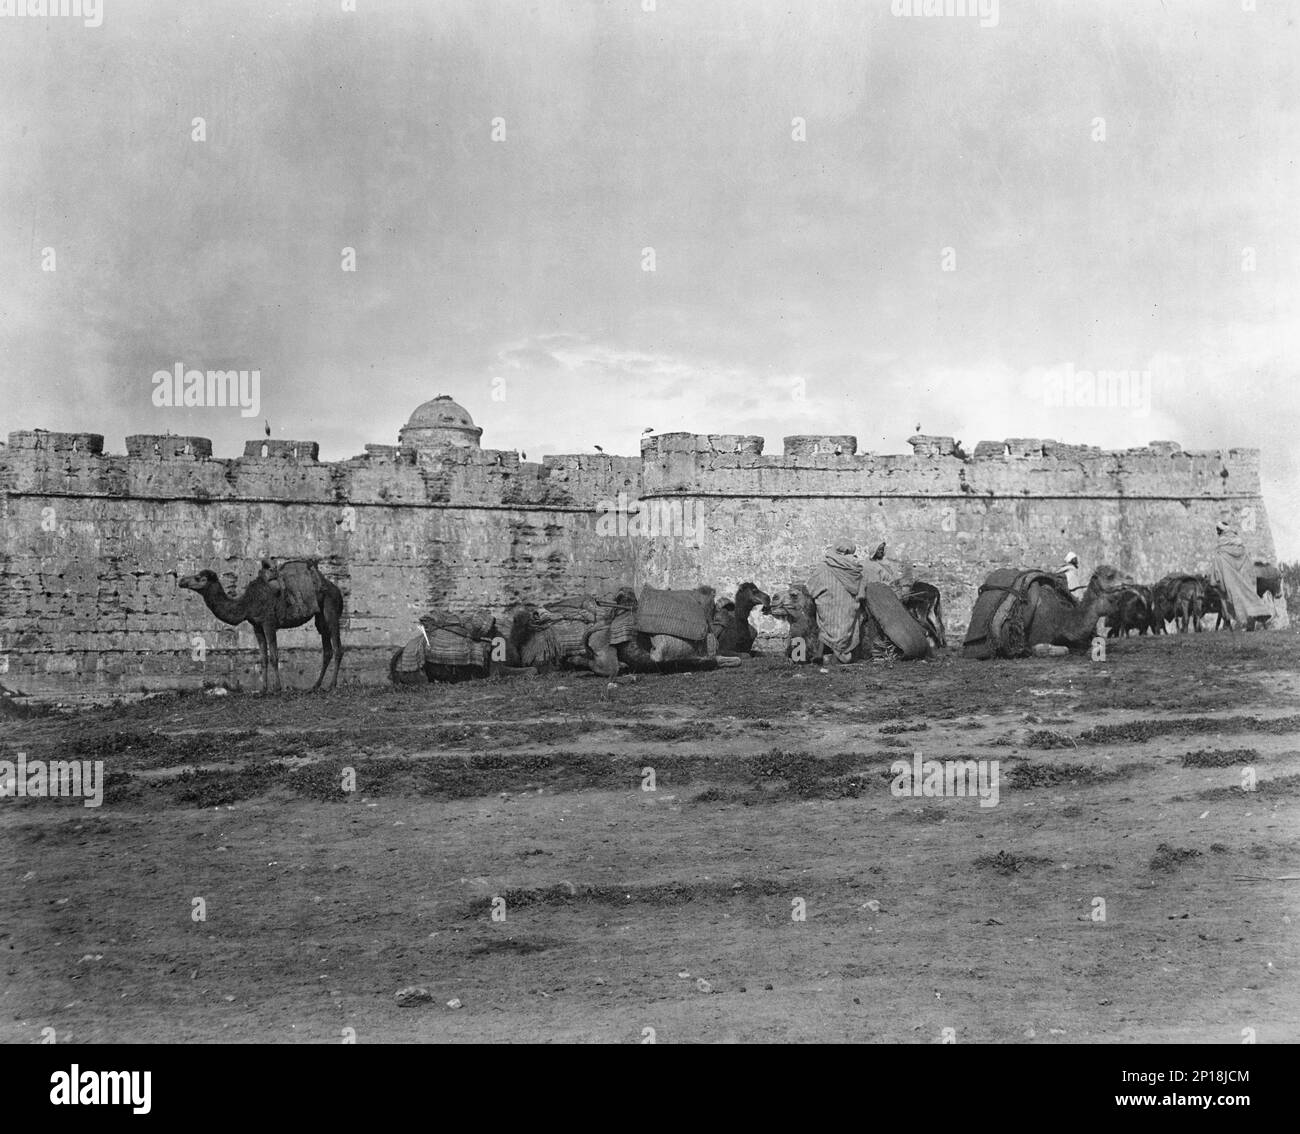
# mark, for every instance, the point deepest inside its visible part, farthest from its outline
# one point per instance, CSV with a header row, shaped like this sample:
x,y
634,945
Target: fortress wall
x,y
93,547
946,520
93,544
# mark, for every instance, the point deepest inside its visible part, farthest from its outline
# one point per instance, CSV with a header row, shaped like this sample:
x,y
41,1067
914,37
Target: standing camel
x,y
280,598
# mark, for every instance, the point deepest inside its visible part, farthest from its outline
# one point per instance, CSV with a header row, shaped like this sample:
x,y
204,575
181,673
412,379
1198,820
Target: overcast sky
x,y
780,266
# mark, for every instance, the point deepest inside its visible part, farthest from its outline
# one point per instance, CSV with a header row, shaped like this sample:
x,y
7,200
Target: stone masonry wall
x,y
946,518
93,544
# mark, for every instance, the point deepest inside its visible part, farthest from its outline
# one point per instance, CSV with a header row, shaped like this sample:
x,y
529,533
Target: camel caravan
x,y
846,611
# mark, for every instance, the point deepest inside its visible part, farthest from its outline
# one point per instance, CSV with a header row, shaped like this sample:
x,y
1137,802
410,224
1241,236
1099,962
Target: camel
x,y
796,606
1214,601
492,639
1134,612
1018,610
280,598
1179,599
731,620
1051,619
581,644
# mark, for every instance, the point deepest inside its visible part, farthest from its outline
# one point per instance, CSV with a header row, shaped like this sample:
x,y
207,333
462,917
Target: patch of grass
x,y
1208,758
1048,738
1169,858
1136,731
686,730
1035,775
1280,787
664,894
929,813
1006,864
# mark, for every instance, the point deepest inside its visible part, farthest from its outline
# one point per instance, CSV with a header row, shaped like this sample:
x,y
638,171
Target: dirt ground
x,y
1119,780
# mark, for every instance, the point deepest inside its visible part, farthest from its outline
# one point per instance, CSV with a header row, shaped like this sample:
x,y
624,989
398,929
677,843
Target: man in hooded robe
x,y
834,586
1233,572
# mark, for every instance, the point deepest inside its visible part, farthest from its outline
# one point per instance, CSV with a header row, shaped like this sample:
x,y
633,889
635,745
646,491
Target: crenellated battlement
x,y
1020,467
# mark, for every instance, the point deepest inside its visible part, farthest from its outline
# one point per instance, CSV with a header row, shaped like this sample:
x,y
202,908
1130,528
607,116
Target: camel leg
x,y
326,650
273,659
336,635
260,635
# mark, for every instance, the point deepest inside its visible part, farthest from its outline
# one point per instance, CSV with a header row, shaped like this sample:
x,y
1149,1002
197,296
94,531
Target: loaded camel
x,y
603,635
1018,609
453,648
1054,621
280,598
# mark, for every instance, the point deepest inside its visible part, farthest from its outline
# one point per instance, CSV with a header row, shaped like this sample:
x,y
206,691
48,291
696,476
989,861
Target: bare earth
x,y
772,785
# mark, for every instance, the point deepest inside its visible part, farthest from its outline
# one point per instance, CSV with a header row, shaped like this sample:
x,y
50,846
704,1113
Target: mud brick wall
x,y
947,518
92,544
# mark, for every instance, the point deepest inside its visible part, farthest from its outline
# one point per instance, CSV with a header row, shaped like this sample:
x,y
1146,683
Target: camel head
x,y
1107,578
756,597
1106,589
791,603
201,581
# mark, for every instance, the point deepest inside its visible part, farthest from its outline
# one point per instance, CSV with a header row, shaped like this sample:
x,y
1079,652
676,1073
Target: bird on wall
x,y
523,456
648,429
599,449
918,427
268,426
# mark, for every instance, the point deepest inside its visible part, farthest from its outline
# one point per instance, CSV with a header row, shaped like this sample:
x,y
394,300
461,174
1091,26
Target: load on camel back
x,y
846,612
456,647
1020,612
659,631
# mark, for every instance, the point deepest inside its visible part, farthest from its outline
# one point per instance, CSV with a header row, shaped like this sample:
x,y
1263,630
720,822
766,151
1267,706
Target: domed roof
x,y
439,424
442,412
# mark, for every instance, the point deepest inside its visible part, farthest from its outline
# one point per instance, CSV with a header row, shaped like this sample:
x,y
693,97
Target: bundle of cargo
x,y
891,628
619,608
678,623
447,646
557,632
997,623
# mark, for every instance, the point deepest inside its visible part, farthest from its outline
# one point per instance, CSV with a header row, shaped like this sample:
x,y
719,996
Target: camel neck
x,y
228,610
